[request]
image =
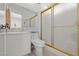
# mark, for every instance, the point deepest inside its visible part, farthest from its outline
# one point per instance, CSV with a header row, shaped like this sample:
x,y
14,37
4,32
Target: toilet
x,y
38,44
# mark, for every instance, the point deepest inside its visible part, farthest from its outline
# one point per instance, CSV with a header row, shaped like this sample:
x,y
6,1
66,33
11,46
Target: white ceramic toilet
x,y
38,44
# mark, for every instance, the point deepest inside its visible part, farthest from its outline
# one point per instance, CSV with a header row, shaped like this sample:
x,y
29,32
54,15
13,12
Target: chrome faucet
x,y
2,27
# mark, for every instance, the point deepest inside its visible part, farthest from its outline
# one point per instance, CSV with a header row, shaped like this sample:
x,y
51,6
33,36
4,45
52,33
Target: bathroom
x,y
39,29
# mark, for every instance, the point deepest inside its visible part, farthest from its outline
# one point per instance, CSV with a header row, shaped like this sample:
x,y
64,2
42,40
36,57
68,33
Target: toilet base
x,y
39,51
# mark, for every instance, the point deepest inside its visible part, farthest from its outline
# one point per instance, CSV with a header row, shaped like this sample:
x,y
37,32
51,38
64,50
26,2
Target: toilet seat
x,y
38,42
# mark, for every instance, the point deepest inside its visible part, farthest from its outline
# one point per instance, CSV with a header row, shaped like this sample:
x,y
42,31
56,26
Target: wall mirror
x,y
9,19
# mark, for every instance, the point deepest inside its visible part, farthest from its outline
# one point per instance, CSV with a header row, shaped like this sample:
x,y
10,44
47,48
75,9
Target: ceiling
x,y
35,7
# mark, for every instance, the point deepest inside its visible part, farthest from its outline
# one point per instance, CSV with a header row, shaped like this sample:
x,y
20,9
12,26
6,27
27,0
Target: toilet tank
x,y
34,35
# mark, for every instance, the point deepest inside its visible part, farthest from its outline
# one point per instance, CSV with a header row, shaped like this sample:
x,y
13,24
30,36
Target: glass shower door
x,y
46,26
65,30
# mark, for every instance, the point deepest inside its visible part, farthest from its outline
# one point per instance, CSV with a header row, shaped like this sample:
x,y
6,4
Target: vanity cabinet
x,y
18,44
15,44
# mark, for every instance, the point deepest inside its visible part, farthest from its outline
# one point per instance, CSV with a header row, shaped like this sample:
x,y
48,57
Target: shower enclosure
x,y
59,27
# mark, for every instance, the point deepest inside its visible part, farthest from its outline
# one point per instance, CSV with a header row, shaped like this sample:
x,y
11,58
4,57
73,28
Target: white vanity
x,y
15,43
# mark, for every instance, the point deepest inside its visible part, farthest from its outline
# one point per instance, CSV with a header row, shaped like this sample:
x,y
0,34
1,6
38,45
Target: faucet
x,y
2,27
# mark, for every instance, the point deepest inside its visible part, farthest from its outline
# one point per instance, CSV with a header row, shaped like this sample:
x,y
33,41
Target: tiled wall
x,y
35,26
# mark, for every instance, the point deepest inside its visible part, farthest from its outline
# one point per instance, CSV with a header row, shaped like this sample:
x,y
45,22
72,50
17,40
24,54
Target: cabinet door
x,y
46,26
17,44
2,44
65,35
